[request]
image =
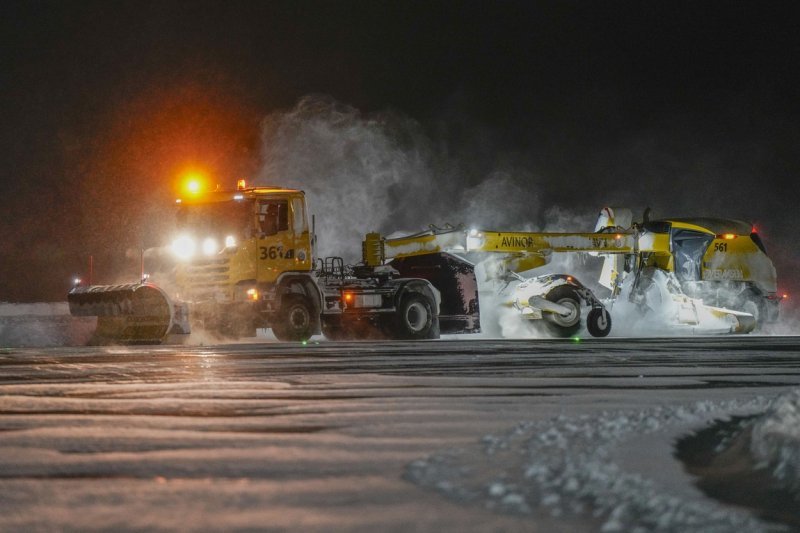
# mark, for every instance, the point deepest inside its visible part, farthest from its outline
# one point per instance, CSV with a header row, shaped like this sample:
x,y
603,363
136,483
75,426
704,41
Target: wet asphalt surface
x,y
258,436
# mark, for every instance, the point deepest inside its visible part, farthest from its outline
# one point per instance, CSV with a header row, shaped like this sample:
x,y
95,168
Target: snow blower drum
x,y
134,313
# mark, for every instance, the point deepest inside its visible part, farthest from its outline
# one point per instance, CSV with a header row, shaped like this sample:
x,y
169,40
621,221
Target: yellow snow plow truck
x,y
244,259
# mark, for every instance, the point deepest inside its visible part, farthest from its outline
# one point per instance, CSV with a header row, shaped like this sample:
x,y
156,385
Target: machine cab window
x,y
216,220
689,247
273,216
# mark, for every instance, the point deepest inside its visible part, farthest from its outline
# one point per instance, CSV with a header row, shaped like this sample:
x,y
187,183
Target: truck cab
x,y
239,252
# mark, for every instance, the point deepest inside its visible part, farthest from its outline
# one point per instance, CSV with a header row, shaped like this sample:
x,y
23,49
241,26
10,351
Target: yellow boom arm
x,y
522,250
521,242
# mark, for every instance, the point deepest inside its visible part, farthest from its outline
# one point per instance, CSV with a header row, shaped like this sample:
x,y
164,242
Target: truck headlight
x,y
210,246
184,247
230,241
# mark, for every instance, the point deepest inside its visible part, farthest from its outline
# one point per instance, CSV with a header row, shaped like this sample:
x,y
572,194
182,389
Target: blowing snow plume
x,y
382,172
356,169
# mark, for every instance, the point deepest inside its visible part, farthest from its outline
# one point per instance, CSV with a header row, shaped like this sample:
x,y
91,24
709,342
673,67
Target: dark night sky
x,y
689,107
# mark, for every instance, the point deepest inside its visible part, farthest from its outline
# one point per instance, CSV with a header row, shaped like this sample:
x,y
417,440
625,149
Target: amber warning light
x,y
193,182
241,185
193,185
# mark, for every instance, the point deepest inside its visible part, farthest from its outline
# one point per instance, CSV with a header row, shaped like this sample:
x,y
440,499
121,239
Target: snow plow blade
x,y
133,313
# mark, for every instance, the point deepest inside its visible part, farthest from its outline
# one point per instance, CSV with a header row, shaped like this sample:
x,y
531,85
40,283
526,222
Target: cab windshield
x,y
217,219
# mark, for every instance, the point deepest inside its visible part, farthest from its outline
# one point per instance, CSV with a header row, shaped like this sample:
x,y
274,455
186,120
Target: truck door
x,y
275,240
301,234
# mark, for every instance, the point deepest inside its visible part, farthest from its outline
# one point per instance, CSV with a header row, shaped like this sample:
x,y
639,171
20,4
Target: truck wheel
x,y
598,322
569,324
415,319
294,321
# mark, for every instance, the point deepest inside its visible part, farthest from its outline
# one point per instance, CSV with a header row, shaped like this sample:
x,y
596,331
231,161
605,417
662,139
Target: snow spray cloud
x,y
382,172
355,169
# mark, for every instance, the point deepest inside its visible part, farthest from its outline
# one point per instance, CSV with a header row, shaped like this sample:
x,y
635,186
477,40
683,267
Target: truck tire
x,y
598,322
415,319
560,325
295,321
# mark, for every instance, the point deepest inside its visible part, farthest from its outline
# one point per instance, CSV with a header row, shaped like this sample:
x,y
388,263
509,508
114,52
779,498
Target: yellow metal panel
x,y
558,242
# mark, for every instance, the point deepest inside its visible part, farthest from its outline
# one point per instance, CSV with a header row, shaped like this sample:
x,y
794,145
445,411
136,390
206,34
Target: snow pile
x,y
43,324
565,467
34,309
775,441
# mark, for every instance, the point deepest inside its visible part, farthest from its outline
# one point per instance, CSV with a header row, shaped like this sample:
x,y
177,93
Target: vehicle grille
x,y
208,278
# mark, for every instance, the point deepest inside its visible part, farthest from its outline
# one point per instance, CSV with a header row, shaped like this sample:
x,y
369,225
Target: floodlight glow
x,y
184,247
475,240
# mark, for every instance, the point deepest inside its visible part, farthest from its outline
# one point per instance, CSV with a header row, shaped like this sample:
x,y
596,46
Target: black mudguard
x,y
455,280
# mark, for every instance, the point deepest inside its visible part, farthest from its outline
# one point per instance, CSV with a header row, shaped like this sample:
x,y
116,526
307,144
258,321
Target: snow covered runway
x,y
449,435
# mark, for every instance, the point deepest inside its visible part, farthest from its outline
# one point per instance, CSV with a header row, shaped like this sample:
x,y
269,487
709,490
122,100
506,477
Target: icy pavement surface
x,y
565,466
452,435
